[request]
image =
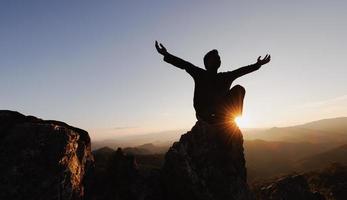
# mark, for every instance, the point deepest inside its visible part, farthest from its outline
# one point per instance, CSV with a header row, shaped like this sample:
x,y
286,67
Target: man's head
x,y
212,61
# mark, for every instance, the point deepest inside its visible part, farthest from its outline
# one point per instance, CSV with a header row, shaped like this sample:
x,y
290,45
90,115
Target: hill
x,y
271,158
333,131
322,159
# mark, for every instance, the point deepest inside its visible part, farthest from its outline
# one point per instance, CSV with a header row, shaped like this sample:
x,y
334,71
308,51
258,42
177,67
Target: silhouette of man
x,y
214,101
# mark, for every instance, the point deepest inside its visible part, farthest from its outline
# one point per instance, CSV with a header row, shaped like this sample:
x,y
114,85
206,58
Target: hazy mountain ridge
x,y
163,138
337,125
338,155
330,131
269,158
146,149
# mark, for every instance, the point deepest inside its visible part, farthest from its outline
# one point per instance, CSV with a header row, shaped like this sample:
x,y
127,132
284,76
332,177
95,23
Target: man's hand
x,y
263,61
162,50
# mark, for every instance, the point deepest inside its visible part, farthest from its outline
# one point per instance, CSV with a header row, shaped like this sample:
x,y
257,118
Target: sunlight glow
x,y
240,121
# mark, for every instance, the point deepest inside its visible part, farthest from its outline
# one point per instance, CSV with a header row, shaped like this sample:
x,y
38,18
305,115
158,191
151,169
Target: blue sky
x,y
93,64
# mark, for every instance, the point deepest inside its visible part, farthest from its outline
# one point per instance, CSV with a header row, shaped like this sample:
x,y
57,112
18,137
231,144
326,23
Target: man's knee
x,y
239,89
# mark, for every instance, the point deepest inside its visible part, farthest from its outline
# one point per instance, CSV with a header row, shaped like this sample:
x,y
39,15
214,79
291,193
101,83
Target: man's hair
x,y
213,52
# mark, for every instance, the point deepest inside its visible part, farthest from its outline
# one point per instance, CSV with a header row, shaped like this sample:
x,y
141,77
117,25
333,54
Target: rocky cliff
x,y
42,159
207,163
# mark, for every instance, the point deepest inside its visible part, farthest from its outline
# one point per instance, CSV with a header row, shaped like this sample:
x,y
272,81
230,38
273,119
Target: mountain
x,y
163,138
335,125
104,151
331,131
271,158
320,160
146,149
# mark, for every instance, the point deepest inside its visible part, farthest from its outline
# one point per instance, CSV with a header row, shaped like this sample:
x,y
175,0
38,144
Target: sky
x,y
93,64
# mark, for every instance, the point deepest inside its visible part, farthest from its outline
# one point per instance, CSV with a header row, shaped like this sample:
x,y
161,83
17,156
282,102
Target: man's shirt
x,y
210,88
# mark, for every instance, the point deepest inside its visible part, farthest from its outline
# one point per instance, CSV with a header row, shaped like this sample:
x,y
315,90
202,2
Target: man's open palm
x,y
162,50
265,60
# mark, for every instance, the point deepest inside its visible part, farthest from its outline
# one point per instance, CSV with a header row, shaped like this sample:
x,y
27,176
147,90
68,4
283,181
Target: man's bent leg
x,y
234,100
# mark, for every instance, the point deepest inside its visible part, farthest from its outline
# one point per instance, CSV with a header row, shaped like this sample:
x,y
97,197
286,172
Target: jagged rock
x,y
207,163
289,187
42,159
330,181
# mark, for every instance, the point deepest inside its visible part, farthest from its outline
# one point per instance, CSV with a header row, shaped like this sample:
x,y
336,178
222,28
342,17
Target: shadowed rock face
x,y
330,181
42,159
207,163
287,187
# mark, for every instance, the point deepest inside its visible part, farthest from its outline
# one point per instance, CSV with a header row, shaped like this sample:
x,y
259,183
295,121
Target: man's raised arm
x,y
175,61
250,68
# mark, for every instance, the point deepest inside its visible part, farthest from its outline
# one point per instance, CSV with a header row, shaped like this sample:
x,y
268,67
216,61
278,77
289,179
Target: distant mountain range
x,y
336,155
313,145
322,131
330,131
164,138
267,159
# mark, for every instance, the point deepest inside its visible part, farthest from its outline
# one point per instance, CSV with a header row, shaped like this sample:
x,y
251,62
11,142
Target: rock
x,y
330,181
42,159
207,163
287,188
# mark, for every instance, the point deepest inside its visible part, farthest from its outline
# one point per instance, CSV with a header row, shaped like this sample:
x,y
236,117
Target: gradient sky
x,y
93,64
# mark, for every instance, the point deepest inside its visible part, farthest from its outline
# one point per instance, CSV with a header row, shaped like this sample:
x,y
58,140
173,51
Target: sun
x,y
240,121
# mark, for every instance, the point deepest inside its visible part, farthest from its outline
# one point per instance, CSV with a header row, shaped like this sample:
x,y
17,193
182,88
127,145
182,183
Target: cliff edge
x,y
207,163
42,159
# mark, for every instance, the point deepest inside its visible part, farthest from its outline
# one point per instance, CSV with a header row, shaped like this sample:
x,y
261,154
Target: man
x,y
214,101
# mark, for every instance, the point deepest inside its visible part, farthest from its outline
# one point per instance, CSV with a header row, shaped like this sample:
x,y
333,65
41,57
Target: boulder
x,y
42,159
207,163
